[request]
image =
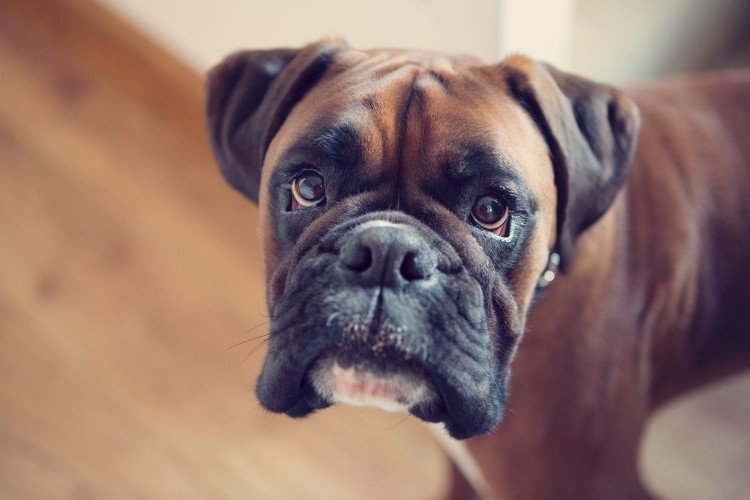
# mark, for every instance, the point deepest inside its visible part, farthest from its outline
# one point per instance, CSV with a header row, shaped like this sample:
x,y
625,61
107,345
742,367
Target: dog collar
x,y
550,272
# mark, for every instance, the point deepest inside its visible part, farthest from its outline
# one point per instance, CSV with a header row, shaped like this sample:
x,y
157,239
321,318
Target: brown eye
x,y
308,190
492,214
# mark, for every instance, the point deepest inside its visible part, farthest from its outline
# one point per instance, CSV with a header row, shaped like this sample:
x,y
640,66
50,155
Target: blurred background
x,y
604,39
131,297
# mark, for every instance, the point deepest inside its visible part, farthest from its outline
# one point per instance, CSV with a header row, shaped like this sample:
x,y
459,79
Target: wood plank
x,y
127,269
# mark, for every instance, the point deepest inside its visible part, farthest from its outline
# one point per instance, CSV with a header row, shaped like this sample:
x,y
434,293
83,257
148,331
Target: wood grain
x,y
128,269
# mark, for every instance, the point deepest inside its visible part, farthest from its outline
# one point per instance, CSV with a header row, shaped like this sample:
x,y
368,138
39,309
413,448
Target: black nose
x,y
388,254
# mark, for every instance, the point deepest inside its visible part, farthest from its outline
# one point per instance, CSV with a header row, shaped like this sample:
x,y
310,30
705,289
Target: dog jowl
x,y
409,204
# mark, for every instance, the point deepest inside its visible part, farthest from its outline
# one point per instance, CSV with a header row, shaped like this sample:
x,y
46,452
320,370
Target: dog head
x,y
409,203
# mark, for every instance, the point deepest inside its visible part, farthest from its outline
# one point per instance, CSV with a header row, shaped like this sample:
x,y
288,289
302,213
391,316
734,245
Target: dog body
x,y
654,304
393,280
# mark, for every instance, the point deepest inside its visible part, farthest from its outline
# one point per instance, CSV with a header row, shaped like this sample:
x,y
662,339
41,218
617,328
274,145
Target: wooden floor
x,y
128,269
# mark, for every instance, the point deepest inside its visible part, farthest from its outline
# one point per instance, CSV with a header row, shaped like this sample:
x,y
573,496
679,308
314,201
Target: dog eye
x,y
492,214
308,190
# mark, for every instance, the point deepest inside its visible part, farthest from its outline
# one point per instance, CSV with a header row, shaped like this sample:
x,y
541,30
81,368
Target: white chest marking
x,y
459,454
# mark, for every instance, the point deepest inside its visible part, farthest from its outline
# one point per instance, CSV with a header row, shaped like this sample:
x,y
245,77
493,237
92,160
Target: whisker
x,y
256,326
262,412
260,310
408,415
253,351
494,380
265,336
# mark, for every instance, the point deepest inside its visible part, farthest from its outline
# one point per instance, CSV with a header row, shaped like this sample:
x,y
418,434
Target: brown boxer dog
x,y
414,207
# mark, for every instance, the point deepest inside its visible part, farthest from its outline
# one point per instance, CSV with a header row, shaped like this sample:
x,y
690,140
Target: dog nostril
x,y
357,258
387,256
417,266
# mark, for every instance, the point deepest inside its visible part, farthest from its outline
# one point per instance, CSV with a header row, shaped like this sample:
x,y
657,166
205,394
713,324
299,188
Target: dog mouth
x,y
443,375
436,376
379,327
393,387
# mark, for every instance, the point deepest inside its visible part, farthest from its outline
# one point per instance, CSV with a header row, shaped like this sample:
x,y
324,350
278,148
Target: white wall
x,y
610,40
203,31
540,28
626,40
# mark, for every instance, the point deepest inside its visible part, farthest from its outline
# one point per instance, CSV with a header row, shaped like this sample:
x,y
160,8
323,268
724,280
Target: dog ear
x,y
250,95
591,132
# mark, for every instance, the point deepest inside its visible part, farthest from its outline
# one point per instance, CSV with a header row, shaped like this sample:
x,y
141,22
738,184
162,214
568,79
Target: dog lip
x,y
464,414
395,387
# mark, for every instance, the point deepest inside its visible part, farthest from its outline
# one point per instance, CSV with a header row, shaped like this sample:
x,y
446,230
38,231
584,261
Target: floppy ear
x,y
250,94
591,132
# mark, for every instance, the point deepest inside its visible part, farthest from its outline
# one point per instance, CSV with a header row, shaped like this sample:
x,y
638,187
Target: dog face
x,y
409,203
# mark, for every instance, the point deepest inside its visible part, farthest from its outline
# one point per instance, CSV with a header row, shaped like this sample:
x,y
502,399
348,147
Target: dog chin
x,y
358,385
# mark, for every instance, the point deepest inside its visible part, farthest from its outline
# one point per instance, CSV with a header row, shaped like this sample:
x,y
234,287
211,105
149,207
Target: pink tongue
x,y
362,385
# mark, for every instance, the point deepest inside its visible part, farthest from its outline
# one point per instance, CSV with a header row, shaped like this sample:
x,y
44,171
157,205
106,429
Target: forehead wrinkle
x,y
340,143
468,160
